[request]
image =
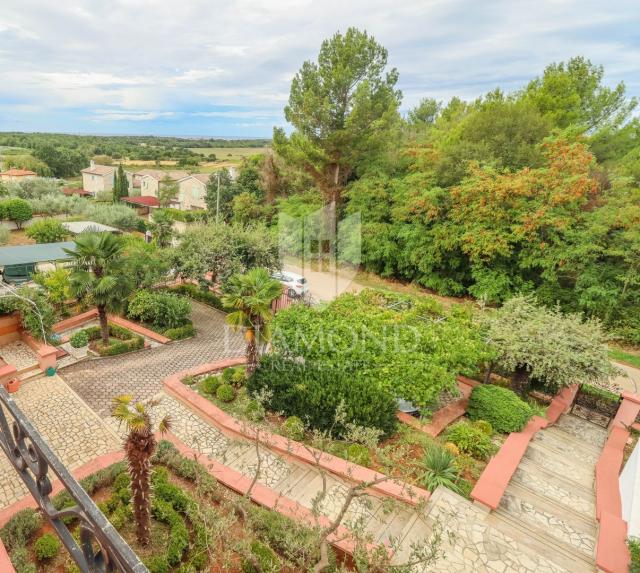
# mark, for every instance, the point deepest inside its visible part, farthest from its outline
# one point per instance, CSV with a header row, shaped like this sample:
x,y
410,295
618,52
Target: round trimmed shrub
x,y
293,428
227,375
225,393
359,454
79,339
210,384
501,407
470,440
46,547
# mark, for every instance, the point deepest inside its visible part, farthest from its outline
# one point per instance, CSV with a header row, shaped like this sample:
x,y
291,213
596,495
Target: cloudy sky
x,y
211,67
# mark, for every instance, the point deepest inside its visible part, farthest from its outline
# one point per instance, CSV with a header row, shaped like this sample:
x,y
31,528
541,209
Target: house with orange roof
x,y
17,175
96,178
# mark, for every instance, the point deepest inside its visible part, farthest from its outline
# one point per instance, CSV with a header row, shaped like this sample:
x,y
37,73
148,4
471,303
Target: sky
x,y
224,68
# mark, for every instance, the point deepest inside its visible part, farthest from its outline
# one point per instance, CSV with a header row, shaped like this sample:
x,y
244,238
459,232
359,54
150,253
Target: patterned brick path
x,y
141,374
72,430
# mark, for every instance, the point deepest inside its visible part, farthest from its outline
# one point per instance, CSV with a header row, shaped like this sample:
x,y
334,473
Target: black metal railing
x,y
101,549
595,406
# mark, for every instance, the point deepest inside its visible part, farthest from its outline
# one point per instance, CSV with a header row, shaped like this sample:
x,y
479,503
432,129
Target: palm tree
x,y
161,227
139,445
251,296
98,274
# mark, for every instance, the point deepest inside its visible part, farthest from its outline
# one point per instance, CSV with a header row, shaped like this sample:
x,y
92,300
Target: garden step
x,y
558,464
549,519
305,491
396,522
563,555
297,474
233,452
557,488
583,430
566,445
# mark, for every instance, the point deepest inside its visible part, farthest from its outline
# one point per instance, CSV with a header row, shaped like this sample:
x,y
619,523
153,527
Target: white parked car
x,y
295,285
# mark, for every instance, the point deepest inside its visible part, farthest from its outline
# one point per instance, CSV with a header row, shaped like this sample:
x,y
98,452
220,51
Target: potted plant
x,y
79,341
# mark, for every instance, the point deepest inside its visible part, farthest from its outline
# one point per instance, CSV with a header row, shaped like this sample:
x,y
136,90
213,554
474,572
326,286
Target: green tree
x,y
161,227
145,264
167,191
63,161
344,109
139,445
47,231
573,94
120,184
250,296
18,210
228,190
98,274
532,341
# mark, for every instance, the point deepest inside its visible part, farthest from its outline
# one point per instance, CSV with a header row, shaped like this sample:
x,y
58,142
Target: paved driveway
x,y
141,373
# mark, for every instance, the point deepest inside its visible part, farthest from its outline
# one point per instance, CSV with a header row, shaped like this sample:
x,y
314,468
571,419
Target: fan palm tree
x,y
98,274
251,295
161,227
139,445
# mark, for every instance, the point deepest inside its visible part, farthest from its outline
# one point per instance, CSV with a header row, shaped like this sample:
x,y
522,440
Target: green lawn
x,y
228,153
624,356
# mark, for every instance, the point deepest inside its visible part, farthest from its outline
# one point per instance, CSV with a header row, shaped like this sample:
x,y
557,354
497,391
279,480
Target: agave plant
x,y
439,467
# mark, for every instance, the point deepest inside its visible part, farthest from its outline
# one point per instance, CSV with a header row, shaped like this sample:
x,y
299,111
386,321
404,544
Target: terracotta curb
x,y
230,425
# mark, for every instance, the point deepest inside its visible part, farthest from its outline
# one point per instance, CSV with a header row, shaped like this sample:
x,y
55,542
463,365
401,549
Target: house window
x,y
194,192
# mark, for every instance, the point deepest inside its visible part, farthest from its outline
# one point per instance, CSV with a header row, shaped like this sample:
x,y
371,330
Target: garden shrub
x,y
254,411
452,448
484,426
17,210
358,454
294,428
47,231
46,547
189,380
470,439
21,560
121,346
266,557
634,549
79,339
180,332
210,384
313,393
178,532
225,393
196,293
501,407
158,564
20,528
162,310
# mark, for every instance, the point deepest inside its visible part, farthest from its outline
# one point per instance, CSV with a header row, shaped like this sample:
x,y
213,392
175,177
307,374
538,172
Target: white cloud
x,y
146,58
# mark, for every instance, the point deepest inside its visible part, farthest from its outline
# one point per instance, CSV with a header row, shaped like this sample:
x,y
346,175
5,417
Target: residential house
x,y
17,175
152,180
96,178
192,191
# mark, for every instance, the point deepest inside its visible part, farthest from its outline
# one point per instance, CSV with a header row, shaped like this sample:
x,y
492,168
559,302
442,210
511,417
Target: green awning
x,y
41,253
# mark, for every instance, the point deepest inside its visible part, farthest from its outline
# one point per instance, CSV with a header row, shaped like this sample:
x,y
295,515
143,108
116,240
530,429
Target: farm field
x,y
228,153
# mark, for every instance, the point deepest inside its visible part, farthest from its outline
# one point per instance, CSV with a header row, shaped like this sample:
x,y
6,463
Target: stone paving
x,y
70,428
19,354
141,373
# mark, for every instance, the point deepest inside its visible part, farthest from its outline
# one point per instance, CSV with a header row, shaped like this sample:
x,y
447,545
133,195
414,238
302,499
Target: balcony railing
x,y
101,549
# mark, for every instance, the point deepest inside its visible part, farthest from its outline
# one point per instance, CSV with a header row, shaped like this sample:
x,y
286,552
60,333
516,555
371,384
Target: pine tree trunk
x,y
104,324
139,448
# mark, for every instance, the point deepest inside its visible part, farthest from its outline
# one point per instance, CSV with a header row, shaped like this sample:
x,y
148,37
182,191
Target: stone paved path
x,y
72,430
141,373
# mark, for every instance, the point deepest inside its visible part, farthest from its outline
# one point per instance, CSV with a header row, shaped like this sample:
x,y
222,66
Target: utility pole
x,y
218,200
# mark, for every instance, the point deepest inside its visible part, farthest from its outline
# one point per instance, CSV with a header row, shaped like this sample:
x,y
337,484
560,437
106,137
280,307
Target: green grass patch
x,y
624,356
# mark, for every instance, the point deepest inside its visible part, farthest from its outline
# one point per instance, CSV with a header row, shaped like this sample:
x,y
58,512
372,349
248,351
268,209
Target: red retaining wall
x,y
612,554
496,476
288,448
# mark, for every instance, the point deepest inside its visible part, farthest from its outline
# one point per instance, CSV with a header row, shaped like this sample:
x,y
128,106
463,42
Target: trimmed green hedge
x,y
314,392
125,340
180,332
162,310
501,407
196,293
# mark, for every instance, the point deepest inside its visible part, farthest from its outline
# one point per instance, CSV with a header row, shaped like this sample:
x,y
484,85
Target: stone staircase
x,y
550,500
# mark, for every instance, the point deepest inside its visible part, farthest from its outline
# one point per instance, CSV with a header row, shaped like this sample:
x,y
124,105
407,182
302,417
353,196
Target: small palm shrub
x,y
225,393
46,547
293,428
471,440
501,407
439,468
79,339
